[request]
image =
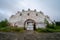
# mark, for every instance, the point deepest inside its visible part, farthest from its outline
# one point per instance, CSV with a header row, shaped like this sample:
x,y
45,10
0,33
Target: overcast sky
x,y
49,7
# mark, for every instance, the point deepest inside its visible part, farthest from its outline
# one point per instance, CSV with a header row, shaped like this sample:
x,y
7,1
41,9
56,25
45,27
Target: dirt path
x,y
29,35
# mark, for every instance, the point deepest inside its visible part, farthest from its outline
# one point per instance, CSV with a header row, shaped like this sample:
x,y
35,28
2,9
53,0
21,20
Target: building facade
x,y
29,20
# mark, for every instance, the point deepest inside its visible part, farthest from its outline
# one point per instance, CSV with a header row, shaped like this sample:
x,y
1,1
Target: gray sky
x,y
49,7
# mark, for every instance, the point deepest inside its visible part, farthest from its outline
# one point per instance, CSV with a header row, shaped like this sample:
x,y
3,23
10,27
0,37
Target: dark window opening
x,y
28,14
36,14
20,14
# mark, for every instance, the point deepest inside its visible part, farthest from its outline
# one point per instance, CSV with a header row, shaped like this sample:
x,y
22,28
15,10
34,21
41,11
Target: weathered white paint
x,y
19,20
30,26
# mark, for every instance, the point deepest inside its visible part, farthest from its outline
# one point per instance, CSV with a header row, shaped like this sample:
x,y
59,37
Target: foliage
x,y
16,29
44,30
49,25
49,28
11,29
4,23
58,23
55,29
4,26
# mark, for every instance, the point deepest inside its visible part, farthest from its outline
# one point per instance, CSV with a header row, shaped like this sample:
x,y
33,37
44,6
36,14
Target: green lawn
x,y
11,29
55,29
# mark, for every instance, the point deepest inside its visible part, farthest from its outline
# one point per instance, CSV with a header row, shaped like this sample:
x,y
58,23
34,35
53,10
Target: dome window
x,y
36,14
20,14
28,14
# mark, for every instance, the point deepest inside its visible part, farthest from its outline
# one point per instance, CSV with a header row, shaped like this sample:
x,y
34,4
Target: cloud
x,y
49,7
28,4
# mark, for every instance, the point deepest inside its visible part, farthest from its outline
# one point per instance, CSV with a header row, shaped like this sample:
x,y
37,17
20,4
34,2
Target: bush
x,y
50,26
58,23
44,30
11,29
4,26
16,29
4,23
5,29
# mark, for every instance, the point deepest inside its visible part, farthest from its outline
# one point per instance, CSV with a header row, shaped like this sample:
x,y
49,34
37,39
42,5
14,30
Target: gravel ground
x,y
29,35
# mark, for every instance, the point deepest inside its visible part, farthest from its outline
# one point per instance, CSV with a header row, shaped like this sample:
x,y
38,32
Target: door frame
x,y
34,26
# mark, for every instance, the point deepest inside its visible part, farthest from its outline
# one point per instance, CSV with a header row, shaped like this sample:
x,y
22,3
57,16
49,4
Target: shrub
x,y
5,29
49,25
16,29
11,29
4,23
4,26
44,30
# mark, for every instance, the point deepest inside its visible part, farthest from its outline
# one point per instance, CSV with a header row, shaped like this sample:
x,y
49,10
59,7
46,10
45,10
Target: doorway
x,y
29,24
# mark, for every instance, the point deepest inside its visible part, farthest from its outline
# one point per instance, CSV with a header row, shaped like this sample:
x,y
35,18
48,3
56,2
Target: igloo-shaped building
x,y
29,20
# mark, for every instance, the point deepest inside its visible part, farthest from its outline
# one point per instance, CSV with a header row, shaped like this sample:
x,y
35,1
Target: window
x,y
36,14
20,14
12,16
28,14
41,12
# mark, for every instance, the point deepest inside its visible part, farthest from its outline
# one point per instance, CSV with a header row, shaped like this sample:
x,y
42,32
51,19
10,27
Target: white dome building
x,y
29,20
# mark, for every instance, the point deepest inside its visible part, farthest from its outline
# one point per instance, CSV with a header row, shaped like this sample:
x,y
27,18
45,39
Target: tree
x,y
4,23
48,24
45,21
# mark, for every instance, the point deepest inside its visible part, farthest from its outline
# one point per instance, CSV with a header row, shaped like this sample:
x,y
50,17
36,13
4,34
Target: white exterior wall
x,y
40,26
19,20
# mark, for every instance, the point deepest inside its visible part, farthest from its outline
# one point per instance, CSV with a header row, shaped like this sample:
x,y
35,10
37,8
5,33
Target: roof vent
x,y
23,10
41,12
34,10
28,9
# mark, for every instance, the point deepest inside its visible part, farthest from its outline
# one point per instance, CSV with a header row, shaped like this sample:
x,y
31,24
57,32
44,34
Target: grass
x,y
11,29
16,29
55,29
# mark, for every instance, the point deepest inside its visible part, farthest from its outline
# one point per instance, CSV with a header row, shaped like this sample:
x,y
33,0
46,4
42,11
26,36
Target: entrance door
x,y
30,26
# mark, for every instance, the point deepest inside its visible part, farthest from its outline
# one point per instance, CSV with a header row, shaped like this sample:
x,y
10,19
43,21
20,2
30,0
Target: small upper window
x,y
20,14
41,12
36,14
12,16
28,14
